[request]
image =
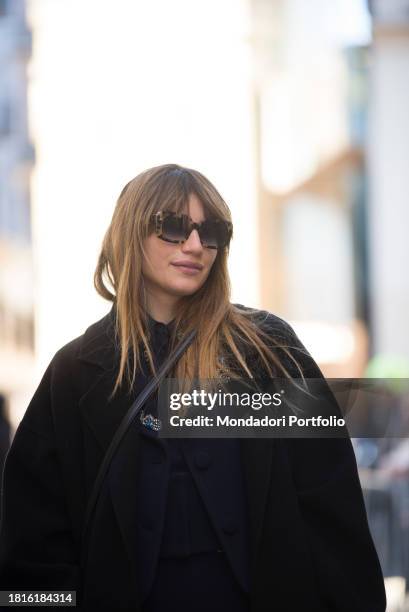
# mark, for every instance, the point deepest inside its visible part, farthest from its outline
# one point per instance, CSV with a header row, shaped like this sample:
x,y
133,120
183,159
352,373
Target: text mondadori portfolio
x,y
252,421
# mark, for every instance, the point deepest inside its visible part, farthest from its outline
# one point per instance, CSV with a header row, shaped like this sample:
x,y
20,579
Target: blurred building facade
x,y
388,154
16,160
311,100
332,140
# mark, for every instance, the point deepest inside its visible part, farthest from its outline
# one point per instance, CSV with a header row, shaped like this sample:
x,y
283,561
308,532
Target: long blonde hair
x,y
222,328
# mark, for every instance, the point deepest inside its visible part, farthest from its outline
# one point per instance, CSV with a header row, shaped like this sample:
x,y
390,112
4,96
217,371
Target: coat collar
x,y
98,344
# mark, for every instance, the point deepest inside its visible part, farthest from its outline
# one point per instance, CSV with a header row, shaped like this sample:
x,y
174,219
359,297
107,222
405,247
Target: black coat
x,y
310,546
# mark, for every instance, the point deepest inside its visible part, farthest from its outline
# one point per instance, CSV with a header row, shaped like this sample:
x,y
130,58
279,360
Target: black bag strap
x,y
129,417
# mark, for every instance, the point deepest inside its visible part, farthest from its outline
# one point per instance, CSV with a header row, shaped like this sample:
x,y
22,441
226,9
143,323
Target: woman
x,y
249,524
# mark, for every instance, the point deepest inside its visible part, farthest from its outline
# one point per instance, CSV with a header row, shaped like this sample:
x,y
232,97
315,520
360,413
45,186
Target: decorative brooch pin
x,y
150,422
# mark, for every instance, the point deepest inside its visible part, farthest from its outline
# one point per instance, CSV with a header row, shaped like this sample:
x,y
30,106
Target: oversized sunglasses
x,y
176,228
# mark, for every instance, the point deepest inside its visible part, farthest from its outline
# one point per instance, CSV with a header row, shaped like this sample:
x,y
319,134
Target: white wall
x,y
117,88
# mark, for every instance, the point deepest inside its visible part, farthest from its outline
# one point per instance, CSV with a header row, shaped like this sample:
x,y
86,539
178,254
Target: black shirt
x,y
187,529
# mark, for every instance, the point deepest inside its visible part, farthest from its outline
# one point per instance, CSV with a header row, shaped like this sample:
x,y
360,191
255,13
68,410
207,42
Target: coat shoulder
x,y
68,352
64,378
96,345
267,321
284,342
96,335
55,382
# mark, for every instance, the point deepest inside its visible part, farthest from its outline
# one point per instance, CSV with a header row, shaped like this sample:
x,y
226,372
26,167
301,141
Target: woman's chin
x,y
184,289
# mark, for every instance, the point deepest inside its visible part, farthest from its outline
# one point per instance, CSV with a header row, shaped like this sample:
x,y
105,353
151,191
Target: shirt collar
x,y
153,324
160,332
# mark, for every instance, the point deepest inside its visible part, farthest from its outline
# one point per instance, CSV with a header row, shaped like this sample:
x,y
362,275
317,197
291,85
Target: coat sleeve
x,y
331,505
37,550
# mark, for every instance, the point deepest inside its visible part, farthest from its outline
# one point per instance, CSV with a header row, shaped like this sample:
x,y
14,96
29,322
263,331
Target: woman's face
x,y
162,268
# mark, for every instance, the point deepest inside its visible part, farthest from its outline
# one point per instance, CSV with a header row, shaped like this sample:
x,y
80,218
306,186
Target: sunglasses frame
x,y
160,216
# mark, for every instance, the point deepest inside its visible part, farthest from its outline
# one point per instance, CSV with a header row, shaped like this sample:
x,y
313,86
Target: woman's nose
x,y
193,242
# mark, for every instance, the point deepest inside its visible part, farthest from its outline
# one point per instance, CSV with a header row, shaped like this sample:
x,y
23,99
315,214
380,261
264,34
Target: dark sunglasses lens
x,y
174,228
214,234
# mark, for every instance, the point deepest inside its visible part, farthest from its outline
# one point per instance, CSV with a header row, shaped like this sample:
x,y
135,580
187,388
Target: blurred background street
x,y
297,110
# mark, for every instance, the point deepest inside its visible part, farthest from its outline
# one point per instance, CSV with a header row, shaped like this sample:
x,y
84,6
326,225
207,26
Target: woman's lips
x,y
189,269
